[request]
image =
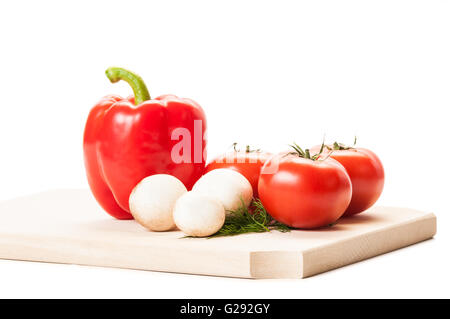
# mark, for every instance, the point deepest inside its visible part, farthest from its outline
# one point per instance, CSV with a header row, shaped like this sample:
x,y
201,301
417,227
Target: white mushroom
x,y
198,215
153,199
227,186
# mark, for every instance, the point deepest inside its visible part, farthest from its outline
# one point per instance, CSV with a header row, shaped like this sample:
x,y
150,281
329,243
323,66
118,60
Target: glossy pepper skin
x,y
124,142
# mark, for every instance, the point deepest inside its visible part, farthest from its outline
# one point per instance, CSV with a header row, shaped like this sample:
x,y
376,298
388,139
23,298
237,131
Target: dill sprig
x,y
252,219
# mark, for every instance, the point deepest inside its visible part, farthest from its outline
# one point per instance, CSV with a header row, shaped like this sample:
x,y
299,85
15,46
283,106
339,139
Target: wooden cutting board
x,y
67,226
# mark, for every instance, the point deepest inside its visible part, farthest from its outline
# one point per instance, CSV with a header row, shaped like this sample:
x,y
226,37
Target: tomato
x,y
366,173
248,163
305,192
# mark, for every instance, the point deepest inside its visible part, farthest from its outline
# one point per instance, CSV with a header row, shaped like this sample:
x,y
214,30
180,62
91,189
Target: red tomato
x,y
366,173
248,163
304,192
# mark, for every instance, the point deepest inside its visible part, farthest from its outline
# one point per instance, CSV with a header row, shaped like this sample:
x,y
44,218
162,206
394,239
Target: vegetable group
x,y
142,157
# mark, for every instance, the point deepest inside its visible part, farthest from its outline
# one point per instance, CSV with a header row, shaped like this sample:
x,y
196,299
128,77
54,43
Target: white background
x,y
266,73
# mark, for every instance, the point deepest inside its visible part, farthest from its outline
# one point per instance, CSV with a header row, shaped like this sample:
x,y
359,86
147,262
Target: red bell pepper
x,y
123,142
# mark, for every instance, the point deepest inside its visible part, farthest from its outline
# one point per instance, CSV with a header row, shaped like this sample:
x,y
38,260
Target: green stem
x,y
135,81
307,154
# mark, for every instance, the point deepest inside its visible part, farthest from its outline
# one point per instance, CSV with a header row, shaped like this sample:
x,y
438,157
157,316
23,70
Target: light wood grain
x,y
67,226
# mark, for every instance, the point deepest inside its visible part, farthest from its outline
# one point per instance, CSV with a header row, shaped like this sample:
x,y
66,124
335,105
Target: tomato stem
x,y
247,148
341,146
306,153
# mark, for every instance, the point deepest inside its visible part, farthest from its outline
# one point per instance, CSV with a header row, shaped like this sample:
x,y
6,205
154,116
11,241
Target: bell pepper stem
x,y
135,81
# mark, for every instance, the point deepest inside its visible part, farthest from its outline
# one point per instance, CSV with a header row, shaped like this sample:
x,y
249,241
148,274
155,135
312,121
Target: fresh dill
x,y
252,219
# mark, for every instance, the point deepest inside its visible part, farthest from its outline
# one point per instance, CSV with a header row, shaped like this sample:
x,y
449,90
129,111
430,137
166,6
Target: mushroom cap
x,y
198,215
153,199
227,186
